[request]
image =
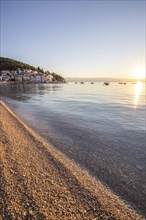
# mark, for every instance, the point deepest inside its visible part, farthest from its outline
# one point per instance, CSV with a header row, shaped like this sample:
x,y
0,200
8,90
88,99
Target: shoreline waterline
x,y
53,182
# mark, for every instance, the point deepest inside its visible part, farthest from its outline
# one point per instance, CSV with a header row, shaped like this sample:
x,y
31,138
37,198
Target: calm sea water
x,y
102,128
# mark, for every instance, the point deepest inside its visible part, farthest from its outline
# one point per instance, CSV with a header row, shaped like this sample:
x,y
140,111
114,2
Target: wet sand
x,y
39,182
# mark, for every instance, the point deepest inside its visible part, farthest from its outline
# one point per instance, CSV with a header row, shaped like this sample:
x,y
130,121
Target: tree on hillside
x,y
40,70
57,77
10,64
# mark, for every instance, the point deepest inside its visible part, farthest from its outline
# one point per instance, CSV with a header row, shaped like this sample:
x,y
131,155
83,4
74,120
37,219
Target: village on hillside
x,y
28,76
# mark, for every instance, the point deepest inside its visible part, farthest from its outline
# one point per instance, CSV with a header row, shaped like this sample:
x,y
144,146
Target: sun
x,y
139,72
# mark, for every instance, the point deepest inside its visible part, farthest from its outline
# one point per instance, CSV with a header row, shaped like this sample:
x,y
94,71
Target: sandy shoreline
x,y
38,182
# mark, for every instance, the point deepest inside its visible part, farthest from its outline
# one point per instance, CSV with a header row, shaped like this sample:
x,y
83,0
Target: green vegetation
x,y
57,77
10,64
40,70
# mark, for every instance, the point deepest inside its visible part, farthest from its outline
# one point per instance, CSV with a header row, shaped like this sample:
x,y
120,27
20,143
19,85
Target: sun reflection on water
x,y
138,89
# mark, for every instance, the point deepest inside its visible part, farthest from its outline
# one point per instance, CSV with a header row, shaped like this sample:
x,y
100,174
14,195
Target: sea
x,y
101,128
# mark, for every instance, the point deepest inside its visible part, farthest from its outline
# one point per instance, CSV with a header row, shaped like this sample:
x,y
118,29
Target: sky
x,y
76,38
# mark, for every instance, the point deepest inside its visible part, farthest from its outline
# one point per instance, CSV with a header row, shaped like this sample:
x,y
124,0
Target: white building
x,y
5,77
19,71
49,78
37,78
4,72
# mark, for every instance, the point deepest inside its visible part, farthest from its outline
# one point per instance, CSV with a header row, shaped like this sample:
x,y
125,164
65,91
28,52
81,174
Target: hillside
x,y
10,64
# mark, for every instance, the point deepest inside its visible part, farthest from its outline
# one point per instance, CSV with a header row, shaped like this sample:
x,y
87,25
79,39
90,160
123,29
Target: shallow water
x,y
102,128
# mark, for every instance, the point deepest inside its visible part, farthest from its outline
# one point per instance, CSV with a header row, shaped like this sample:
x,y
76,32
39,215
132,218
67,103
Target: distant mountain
x,y
77,79
10,64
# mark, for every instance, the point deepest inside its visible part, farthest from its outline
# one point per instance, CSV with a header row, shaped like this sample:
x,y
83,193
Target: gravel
x,y
39,182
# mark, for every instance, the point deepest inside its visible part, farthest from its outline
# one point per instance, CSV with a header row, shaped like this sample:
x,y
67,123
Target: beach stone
x,y
30,211
69,193
139,167
24,213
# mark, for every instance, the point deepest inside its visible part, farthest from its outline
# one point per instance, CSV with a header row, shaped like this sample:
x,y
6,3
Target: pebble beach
x,y
39,182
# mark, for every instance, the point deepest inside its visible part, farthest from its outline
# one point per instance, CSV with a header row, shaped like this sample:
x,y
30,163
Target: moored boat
x,y
122,83
106,83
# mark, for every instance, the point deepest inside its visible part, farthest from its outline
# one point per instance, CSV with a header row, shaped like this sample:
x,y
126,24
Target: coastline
x,y
39,182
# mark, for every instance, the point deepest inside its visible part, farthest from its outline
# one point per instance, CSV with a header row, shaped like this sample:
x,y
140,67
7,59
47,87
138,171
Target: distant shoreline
x,y
72,79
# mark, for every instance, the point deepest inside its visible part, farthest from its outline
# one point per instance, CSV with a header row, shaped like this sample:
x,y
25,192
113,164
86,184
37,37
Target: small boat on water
x,y
122,83
92,82
81,82
106,83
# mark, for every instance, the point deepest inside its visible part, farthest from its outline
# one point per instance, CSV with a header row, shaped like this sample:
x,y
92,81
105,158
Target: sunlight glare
x,y
139,72
138,88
